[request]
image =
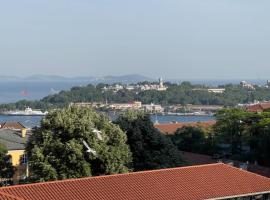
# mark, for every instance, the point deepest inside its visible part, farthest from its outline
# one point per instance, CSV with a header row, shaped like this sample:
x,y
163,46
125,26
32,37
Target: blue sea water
x,y
32,90
31,121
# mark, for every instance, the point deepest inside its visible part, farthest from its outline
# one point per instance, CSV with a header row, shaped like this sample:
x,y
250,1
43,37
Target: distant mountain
x,y
55,78
126,79
132,78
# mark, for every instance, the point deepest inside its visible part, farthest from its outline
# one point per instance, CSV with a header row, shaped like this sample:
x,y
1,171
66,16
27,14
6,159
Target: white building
x,y
153,108
217,90
244,84
124,106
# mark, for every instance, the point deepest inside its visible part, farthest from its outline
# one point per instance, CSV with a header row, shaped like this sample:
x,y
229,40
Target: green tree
x,y
260,137
6,168
231,128
150,148
194,139
56,150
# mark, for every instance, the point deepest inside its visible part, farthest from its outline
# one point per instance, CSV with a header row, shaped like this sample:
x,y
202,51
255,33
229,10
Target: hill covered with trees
x,y
184,93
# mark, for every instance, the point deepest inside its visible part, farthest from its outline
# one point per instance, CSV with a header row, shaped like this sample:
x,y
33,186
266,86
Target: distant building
x,y
159,87
87,104
153,108
217,90
125,106
259,107
249,86
139,87
211,90
114,88
171,128
211,181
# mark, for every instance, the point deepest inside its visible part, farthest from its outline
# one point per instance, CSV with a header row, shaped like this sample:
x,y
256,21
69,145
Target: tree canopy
x,y
194,139
247,133
150,148
6,168
58,149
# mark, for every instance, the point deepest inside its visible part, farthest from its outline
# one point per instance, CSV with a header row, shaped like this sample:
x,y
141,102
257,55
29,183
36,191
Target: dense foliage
x,y
194,139
237,135
184,93
150,148
6,168
56,150
247,133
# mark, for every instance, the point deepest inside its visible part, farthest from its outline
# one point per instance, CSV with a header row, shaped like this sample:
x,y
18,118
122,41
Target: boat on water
x,y
27,112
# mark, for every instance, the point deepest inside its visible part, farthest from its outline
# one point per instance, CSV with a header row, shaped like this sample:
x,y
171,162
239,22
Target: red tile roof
x,y
4,196
258,107
196,182
171,128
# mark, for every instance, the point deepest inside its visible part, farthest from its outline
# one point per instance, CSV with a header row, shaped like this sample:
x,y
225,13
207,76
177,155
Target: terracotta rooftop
x,y
258,107
170,128
211,181
4,196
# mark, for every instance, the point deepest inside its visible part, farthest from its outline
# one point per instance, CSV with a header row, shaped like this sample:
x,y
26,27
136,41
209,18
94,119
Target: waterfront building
x,y
153,108
136,105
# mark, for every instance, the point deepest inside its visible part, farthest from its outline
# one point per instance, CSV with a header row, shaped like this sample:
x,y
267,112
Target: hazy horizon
x,y
177,39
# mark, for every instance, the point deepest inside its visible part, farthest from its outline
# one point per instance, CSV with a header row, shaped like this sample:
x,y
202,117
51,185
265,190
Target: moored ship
x,y
27,112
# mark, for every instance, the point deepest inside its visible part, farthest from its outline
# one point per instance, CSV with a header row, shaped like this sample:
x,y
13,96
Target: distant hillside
x,y
132,78
126,79
184,93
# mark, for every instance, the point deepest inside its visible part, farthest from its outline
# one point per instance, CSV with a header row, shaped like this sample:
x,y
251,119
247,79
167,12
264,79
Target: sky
x,y
176,39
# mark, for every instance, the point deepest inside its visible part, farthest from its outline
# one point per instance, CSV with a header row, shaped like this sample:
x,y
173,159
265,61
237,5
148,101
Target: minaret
x,y
160,82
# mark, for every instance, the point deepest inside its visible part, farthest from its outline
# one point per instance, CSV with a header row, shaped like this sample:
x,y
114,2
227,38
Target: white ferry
x,y
28,112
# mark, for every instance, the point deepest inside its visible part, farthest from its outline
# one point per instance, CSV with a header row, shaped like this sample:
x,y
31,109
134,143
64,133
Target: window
x,y
23,159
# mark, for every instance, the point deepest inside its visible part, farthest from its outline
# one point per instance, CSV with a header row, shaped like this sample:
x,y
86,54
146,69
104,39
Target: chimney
x,y
23,131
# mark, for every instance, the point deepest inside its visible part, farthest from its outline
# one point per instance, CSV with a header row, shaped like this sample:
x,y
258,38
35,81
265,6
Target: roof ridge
x,y
112,175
